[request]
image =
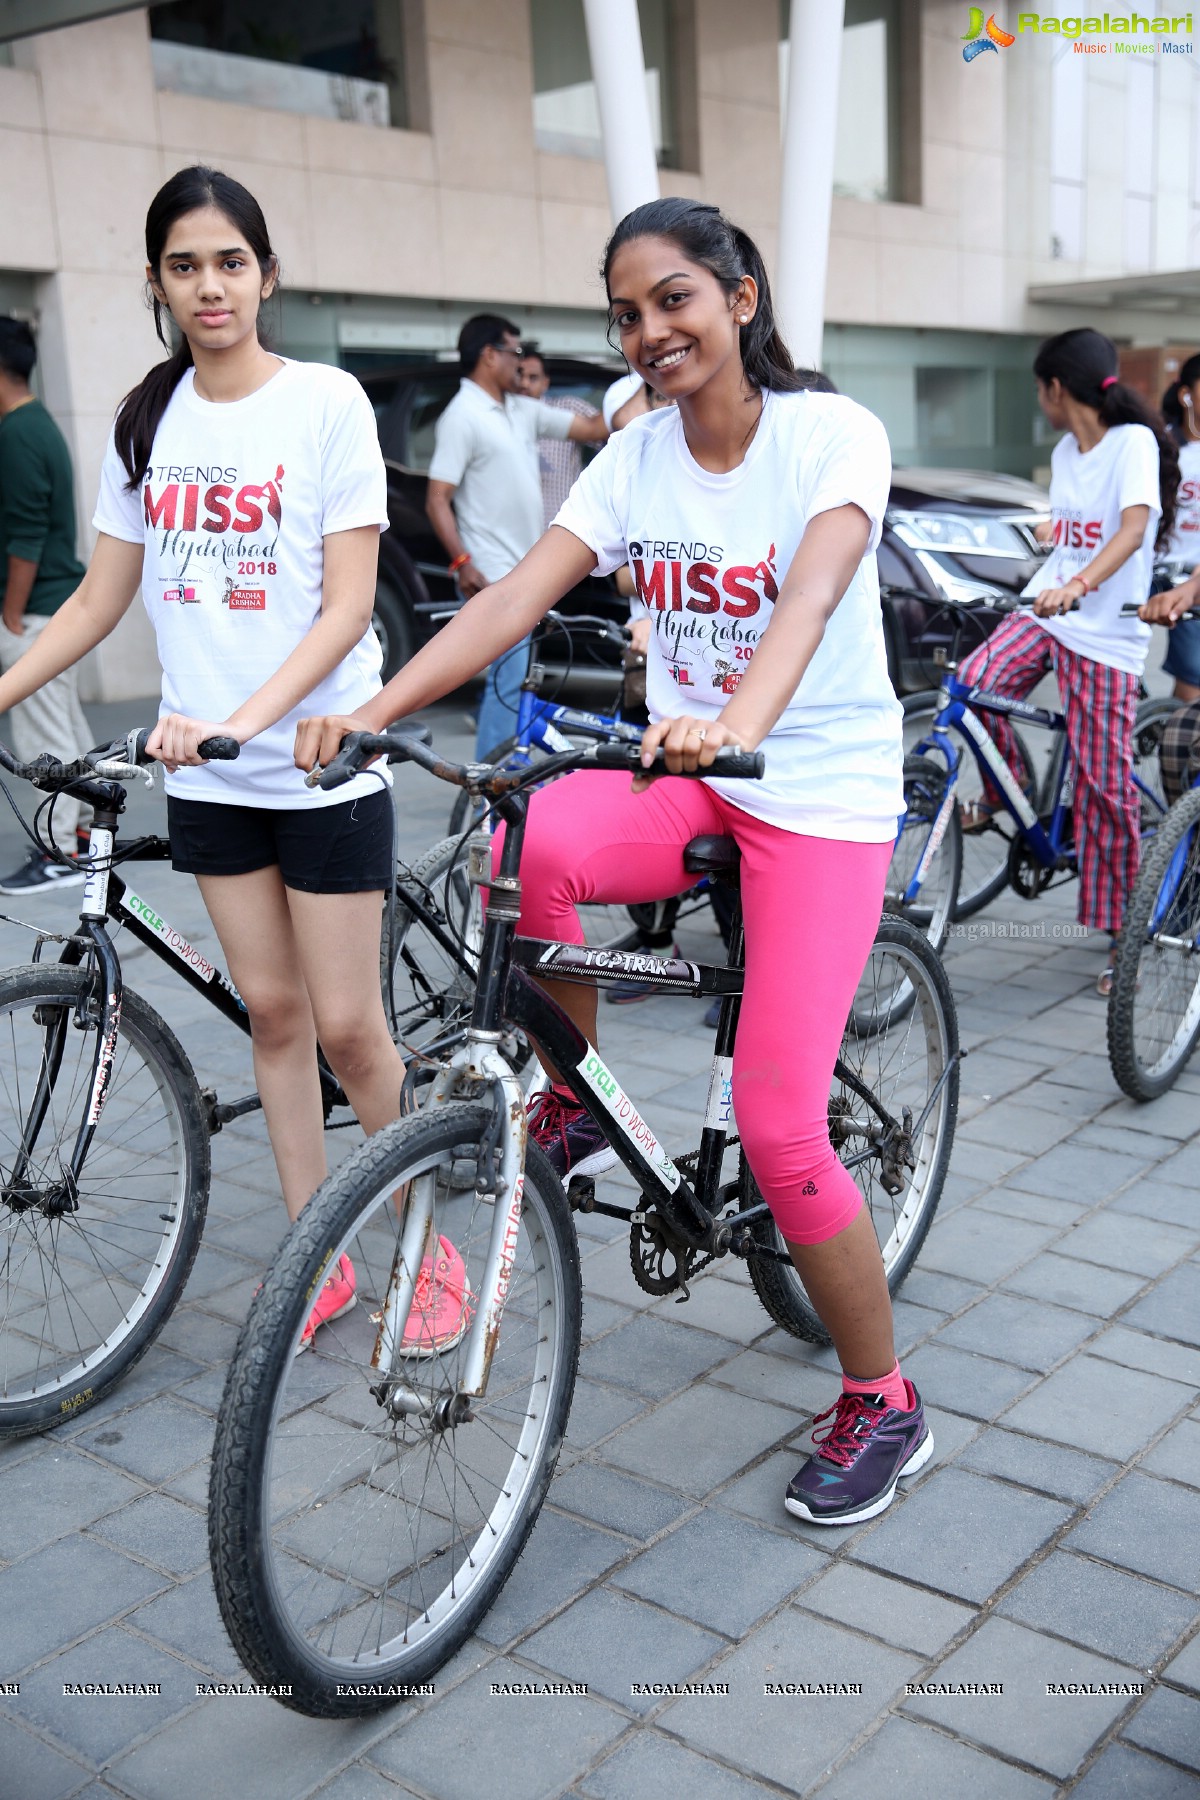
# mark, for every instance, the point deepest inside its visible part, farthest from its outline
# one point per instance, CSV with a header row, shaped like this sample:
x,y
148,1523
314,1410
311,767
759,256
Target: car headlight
x,y
976,534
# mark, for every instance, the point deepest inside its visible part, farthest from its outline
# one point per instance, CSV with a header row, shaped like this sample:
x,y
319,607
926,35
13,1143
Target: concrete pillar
x,y
806,190
619,71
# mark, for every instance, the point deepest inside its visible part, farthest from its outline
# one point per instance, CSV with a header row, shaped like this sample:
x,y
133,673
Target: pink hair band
x,y
1109,381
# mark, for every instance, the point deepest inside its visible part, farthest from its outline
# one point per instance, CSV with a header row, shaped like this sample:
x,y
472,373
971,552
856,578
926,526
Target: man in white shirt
x,y
485,493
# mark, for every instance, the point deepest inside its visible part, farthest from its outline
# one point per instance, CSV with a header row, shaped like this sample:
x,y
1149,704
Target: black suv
x,y
949,535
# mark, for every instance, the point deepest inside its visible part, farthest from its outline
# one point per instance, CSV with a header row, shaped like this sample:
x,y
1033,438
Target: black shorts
x,y
343,849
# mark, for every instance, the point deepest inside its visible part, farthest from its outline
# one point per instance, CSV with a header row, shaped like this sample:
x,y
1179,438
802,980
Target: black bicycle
x,y
104,1128
368,1502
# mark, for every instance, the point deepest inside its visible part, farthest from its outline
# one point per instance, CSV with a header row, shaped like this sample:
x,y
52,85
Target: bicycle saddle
x,y
712,854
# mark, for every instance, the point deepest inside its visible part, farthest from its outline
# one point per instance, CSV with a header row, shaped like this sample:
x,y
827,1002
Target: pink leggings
x,y
811,906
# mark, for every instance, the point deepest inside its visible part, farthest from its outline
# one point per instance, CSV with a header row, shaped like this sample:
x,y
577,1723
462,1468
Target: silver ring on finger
x,y
700,731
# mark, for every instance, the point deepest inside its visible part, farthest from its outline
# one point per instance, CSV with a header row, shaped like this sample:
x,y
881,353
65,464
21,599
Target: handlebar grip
x,y
729,762
219,749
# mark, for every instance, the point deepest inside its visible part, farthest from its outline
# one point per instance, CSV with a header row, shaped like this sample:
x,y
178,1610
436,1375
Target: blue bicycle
x,y
1029,836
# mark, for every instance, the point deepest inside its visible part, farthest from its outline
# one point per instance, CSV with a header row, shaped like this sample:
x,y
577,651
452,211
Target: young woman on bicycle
x,y
749,512
1181,410
1113,479
245,495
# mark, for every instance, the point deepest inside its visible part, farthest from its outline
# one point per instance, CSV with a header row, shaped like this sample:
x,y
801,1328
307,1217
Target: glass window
x,y
866,159
1068,135
336,59
566,115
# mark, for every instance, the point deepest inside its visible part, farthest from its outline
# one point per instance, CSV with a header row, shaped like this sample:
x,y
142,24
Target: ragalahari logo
x,y
983,37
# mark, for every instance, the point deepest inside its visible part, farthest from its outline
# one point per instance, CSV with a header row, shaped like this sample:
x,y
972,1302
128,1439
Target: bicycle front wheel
x,y
1154,1007
354,1551
892,1110
88,1279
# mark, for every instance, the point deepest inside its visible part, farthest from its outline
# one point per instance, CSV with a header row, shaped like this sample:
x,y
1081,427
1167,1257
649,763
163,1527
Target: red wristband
x,y
1089,587
460,561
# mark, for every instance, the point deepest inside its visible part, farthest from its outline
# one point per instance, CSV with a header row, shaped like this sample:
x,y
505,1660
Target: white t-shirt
x,y
709,555
1088,493
488,453
1184,542
232,513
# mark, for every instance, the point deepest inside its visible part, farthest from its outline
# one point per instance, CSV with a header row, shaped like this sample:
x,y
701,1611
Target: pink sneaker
x,y
442,1304
335,1298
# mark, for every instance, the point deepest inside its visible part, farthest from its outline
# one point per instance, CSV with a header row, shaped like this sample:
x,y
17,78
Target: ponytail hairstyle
x,y
1085,362
707,237
140,412
1172,401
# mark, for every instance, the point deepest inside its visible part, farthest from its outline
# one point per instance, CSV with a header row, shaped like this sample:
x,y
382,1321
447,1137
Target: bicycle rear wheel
x,y
1148,727
900,1080
86,1288
353,1550
1154,1007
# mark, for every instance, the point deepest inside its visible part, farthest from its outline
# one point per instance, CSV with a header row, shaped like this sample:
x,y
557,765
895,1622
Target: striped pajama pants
x,y
1100,704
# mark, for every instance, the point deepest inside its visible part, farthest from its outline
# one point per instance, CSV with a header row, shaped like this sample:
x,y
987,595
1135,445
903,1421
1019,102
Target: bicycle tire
x,y
1148,725
428,977
925,781
901,1221
270,1502
142,1198
1153,979
985,852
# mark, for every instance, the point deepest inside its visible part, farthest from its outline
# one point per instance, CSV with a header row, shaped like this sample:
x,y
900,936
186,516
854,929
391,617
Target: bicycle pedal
x,y
581,1193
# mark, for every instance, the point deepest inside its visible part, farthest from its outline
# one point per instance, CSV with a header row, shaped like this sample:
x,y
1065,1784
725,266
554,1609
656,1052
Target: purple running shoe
x,y
573,1142
868,1448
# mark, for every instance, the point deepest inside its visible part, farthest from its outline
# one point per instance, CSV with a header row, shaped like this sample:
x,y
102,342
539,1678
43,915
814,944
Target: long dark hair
x,y
1171,405
1085,361
707,237
141,411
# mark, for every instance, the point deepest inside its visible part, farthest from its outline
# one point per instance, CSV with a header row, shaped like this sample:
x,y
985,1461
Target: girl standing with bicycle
x,y
748,513
244,494
1113,481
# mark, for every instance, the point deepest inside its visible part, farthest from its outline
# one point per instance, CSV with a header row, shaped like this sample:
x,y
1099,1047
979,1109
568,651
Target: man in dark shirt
x,y
38,571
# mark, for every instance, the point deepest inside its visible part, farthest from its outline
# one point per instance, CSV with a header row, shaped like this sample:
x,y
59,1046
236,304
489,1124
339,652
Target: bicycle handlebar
x,y
734,764
118,761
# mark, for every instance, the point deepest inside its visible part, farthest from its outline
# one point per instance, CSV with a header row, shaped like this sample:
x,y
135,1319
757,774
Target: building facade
x,y
420,159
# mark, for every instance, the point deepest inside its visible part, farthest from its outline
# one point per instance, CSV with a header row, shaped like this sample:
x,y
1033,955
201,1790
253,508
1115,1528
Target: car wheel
x,y
392,623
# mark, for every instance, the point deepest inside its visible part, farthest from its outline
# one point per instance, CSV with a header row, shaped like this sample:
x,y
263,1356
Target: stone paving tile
x,y
186,1619
597,1410
982,1246
678,1443
1158,1356
758,1494
1185,1668
1173,1309
1125,1774
1149,1526
1099,1406
1026,1332
614,1643
561,1559
982,1539
1075,1172
1039,1207
33,1770
1020,1722
651,1764
1065,1282
200,1335
976,1385
1116,1241
766,1733
907,1761
159,1372
55,1491
1178,1454
908,1617
361,1783
59,1593
1173,1115
534,1747
1144,1145
752,1572
1011,1128
1169,1724
653,1357
793,1382
730,1307
944,1293
98,1727
153,1441
159,1530
609,1498
1157,1200
1048,1468
1101,1608
288,1753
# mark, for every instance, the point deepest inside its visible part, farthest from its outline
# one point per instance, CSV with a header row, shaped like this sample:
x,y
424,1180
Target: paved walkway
x,y
1052,1324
